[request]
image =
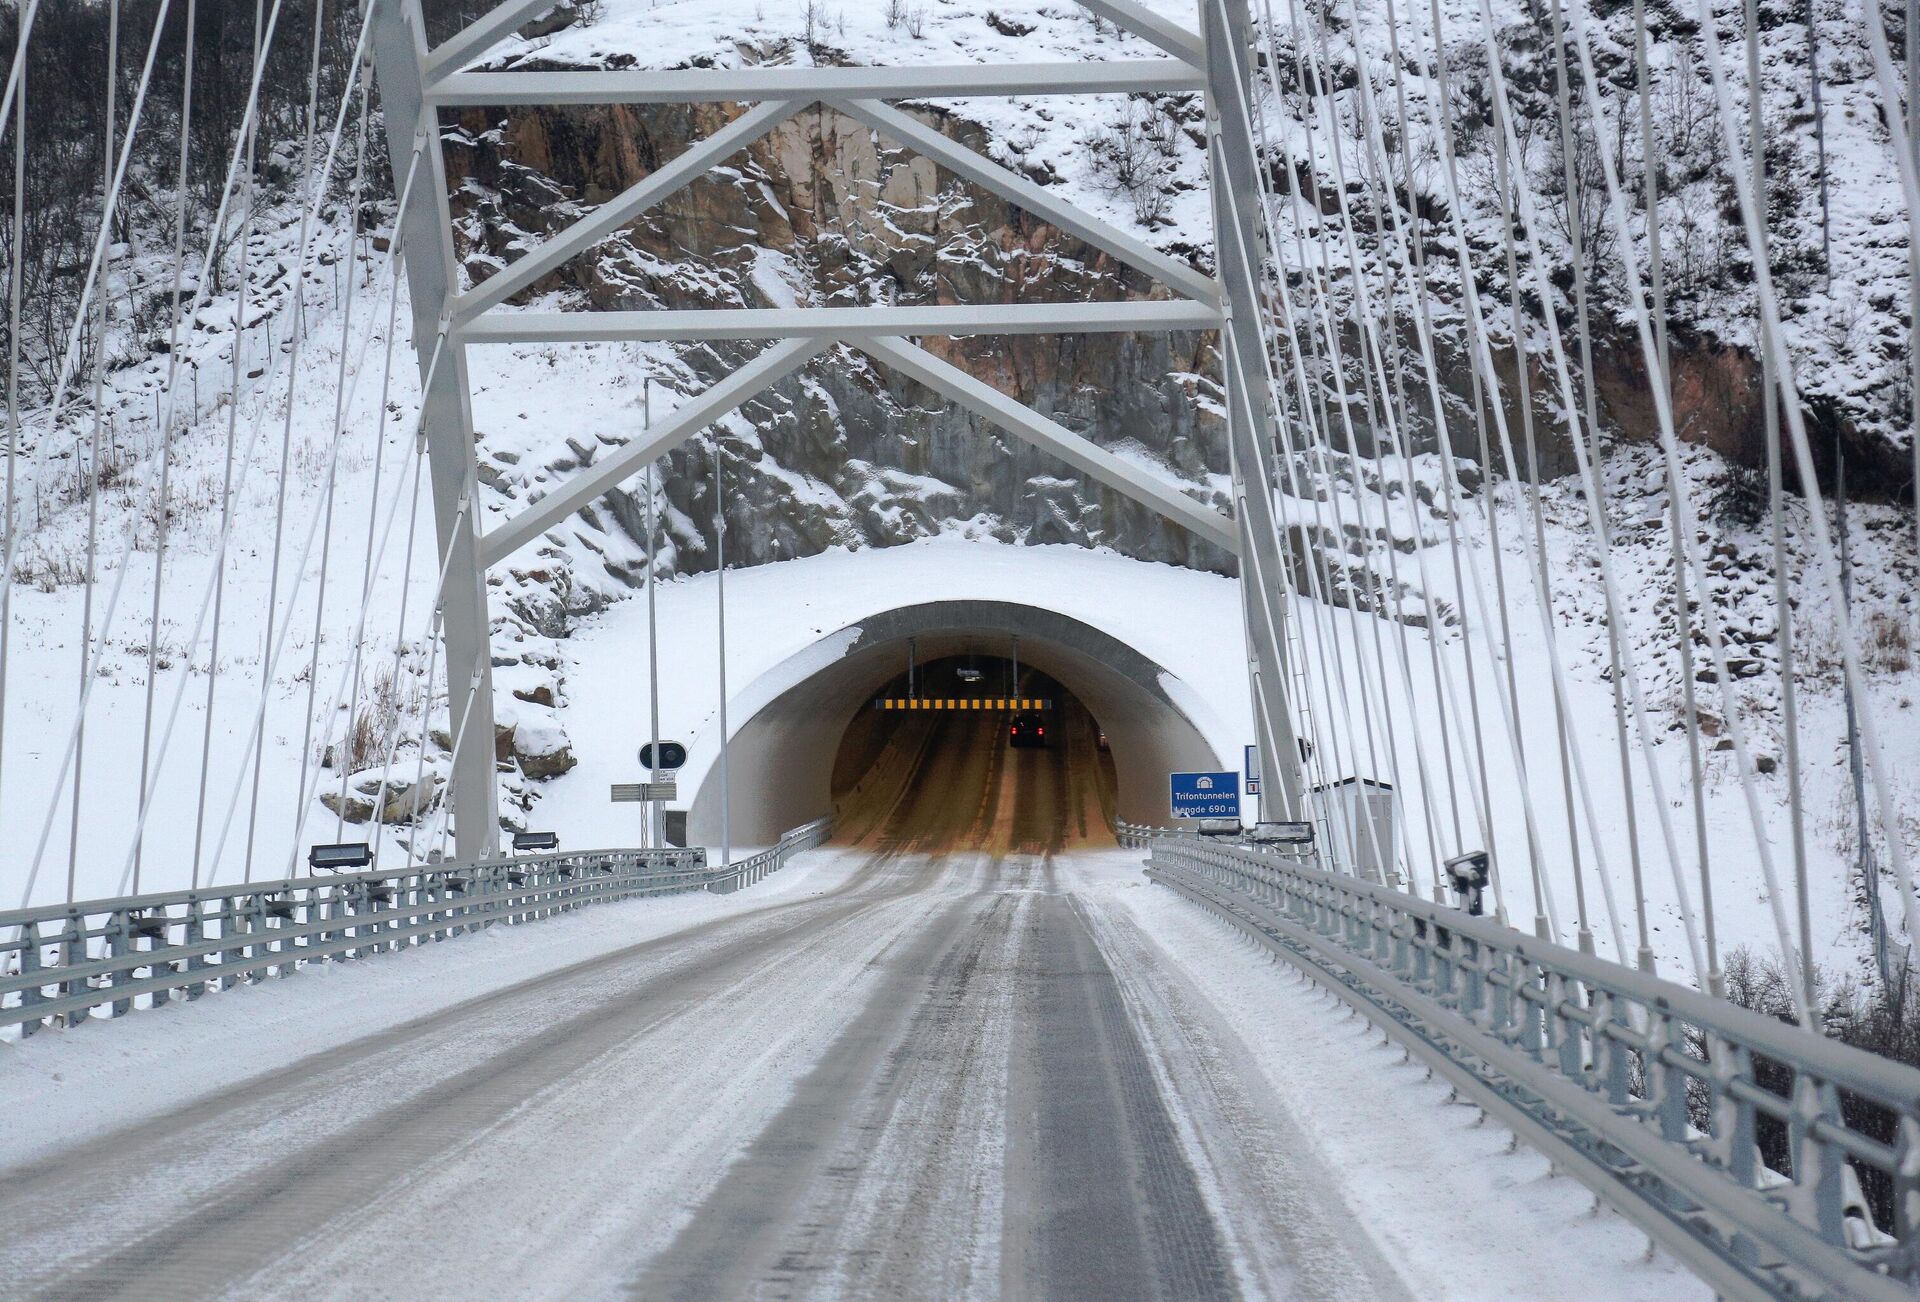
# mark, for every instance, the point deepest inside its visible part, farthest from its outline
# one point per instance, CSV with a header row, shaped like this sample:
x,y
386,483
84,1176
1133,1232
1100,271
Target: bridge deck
x,y
943,1070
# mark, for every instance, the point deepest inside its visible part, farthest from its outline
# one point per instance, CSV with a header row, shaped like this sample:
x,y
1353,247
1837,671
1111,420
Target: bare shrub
x,y
1887,645
46,571
1132,156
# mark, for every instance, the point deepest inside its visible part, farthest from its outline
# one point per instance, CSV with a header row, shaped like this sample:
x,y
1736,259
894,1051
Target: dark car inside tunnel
x,y
962,755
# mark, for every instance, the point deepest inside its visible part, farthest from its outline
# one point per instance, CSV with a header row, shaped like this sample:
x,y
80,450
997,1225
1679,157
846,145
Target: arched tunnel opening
x,y
966,753
808,742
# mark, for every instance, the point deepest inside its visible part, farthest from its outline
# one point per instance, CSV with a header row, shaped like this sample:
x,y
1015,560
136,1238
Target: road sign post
x,y
627,792
1204,795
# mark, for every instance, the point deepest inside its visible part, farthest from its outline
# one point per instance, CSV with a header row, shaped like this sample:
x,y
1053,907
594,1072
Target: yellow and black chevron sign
x,y
964,703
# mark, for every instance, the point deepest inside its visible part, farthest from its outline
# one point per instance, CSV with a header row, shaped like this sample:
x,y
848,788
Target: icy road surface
x,y
976,1056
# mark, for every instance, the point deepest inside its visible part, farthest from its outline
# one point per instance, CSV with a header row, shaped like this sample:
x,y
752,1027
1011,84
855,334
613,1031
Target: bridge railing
x,y
64,962
724,881
1772,1160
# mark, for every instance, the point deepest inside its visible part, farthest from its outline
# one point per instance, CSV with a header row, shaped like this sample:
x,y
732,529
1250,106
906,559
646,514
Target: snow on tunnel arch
x,y
787,724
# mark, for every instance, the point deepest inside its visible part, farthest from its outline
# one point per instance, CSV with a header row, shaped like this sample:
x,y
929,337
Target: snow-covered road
x,y
1002,1066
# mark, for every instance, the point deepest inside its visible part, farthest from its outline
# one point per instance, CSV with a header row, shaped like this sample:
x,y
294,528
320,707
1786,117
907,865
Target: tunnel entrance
x,y
805,731
934,764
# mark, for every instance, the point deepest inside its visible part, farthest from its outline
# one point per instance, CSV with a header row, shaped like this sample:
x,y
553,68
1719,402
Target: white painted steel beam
x,y
686,420
706,85
924,140
1151,27
1251,432
697,161
425,231
1123,476
481,35
848,323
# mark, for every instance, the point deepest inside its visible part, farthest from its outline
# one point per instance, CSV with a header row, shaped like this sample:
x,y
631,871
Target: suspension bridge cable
x,y
1320,585
1541,579
312,182
1777,513
1398,587
333,464
1617,210
204,283
393,672
459,738
348,673
1373,363
1264,585
1682,607
202,290
219,583
1529,224
13,405
1596,486
434,640
1828,563
271,659
1483,358
1905,131
1320,566
1476,333
166,449
1391,410
720,609
90,283
17,68
1478,790
90,576
1320,579
379,462
1360,306
209,598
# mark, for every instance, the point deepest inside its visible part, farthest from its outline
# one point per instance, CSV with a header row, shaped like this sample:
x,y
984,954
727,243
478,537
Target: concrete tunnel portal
x,y
807,739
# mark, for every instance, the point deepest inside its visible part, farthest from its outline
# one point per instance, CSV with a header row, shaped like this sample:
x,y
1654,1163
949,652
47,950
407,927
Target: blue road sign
x,y
1205,795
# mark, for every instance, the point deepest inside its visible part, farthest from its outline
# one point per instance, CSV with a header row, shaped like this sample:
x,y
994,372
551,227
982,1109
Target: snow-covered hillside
x,y
844,460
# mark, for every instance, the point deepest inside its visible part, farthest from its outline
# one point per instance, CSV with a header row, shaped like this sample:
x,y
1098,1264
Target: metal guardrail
x,y
62,963
739,876
1759,1154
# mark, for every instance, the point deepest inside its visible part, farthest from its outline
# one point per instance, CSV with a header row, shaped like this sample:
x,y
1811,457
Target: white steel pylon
x,y
417,82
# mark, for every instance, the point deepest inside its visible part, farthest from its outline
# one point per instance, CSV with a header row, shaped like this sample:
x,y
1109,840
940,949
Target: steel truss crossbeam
x,y
738,85
837,322
1151,28
507,17
697,161
688,419
958,159
775,364
416,84
1137,482
702,157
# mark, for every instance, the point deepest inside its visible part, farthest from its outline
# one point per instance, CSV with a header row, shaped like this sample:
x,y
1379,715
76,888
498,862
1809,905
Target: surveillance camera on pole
x,y
1467,873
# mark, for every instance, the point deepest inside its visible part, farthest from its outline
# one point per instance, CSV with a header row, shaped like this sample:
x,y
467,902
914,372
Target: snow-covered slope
x,y
845,460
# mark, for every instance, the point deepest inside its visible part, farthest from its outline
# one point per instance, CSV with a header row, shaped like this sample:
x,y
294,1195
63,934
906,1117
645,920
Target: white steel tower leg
x,y
1237,254
426,233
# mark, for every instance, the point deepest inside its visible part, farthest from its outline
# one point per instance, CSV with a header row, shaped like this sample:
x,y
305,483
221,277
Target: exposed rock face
x,y
816,213
403,803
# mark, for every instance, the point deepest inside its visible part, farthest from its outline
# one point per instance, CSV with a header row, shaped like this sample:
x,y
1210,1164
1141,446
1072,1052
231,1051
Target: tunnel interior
x,y
806,741
949,774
